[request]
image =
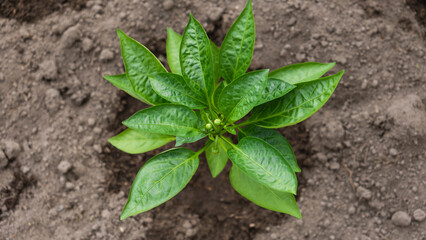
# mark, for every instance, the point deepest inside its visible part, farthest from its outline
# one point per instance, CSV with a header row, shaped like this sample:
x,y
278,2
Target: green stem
x,y
204,148
243,124
229,142
239,129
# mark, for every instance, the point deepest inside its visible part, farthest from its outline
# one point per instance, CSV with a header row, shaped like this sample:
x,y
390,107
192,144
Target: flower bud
x,y
217,121
208,126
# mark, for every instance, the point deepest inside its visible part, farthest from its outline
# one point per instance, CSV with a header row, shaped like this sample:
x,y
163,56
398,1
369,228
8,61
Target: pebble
x,y
80,97
401,219
69,185
340,59
87,44
106,55
419,215
334,166
70,36
168,4
364,193
97,8
91,122
300,56
393,152
291,21
25,169
215,14
351,210
52,99
3,159
48,70
105,213
11,149
64,166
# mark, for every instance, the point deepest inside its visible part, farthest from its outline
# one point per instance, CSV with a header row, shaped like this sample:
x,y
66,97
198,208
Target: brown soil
x,y
362,155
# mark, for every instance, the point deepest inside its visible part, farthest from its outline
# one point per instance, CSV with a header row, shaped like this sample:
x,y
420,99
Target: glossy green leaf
x,y
196,58
275,139
173,50
134,142
217,156
169,119
239,97
217,92
124,84
215,55
173,88
182,140
140,63
296,106
301,72
160,179
274,89
237,47
264,163
262,195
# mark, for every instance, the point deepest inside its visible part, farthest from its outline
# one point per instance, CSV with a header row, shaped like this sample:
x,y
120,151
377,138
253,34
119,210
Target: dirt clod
x,y
401,219
419,215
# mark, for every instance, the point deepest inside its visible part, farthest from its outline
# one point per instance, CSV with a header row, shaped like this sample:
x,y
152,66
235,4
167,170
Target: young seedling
x,y
206,95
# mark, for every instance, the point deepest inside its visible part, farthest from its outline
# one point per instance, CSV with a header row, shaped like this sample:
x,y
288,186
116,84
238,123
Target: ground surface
x,y
362,156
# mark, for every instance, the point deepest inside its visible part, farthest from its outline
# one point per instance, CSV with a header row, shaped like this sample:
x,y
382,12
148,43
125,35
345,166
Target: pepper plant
x,y
207,95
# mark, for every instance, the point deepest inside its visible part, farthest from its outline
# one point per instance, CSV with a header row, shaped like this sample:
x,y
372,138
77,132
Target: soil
x,y
362,155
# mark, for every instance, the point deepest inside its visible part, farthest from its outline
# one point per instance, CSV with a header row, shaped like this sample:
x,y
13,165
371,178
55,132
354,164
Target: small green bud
x,y
208,126
217,121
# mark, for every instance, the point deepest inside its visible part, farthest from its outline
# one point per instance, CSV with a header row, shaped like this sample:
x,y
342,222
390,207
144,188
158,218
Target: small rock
x,y
11,149
106,55
351,210
401,219
80,97
215,14
419,215
25,169
364,193
69,185
168,4
52,100
321,157
105,213
97,148
300,56
97,8
393,152
87,44
3,159
7,177
340,59
70,36
64,166
291,21
91,122
375,83
48,70
334,166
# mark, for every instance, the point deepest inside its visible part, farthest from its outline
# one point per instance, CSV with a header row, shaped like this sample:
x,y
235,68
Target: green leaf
x,y
275,139
237,47
199,136
216,156
262,162
134,142
173,49
301,72
262,195
140,63
160,179
170,119
239,97
217,92
298,105
196,59
124,84
215,55
274,89
173,88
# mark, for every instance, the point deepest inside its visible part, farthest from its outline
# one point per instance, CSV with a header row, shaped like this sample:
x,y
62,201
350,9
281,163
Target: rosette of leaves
x,y
207,95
